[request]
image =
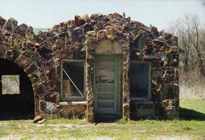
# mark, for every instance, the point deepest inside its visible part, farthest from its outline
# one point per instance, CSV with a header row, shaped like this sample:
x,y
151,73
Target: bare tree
x,y
197,46
191,42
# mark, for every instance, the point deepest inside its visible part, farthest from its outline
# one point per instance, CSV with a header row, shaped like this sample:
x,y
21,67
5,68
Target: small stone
x,y
37,119
41,121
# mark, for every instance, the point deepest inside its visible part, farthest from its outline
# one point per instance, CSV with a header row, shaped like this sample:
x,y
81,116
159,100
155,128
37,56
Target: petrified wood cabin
x,y
101,67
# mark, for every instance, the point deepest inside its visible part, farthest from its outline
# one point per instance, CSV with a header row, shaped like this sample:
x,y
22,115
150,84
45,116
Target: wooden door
x,y
107,85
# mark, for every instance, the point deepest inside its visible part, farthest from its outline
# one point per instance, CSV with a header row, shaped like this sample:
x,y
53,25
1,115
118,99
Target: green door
x,y
107,87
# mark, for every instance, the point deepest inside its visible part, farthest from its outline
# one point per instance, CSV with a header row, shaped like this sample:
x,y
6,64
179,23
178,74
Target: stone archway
x,y
16,94
38,65
102,42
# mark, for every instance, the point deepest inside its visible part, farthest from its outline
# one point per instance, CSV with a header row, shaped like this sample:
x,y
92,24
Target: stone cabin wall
x,y
41,55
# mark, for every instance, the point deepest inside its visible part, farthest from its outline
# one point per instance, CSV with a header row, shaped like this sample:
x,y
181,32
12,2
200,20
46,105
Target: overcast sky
x,y
46,13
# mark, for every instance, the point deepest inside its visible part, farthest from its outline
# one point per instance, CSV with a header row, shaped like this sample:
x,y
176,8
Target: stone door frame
x,y
120,47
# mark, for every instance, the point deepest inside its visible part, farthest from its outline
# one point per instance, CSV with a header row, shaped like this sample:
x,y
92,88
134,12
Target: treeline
x,y
191,43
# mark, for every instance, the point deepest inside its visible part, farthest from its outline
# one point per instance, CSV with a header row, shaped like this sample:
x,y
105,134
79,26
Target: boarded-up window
x,y
10,84
72,82
140,80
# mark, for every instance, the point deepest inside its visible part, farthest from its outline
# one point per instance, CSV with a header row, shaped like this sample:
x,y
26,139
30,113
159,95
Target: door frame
x,y
118,83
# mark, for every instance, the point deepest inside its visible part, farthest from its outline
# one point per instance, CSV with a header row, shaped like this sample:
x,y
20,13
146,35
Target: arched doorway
x,y
16,93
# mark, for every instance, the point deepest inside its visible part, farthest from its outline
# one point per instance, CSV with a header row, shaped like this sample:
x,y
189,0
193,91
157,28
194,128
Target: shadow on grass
x,y
189,114
106,120
13,116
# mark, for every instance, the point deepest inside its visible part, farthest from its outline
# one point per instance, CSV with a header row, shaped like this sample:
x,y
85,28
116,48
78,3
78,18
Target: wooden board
x,y
107,86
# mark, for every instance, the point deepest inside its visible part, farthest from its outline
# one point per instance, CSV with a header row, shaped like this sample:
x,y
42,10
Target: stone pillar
x,y
125,82
88,86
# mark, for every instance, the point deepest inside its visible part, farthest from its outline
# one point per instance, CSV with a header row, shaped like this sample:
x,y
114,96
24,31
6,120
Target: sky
x,y
47,13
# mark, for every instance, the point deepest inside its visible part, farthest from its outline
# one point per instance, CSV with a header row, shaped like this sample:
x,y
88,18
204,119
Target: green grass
x,y
198,105
146,129
192,109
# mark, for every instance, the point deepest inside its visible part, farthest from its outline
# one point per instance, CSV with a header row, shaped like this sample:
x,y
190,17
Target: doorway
x,y
16,93
107,87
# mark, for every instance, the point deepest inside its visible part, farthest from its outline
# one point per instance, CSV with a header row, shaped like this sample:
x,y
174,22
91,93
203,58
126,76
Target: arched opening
x,y
16,93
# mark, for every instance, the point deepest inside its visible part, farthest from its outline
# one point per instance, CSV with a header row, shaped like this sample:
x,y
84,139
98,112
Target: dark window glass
x,y
73,79
139,76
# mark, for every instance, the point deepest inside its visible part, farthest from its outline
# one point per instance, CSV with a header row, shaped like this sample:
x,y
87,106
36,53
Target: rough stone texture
x,y
20,48
73,110
40,56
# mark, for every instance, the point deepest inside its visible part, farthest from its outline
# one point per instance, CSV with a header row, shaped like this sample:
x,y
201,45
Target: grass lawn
x,y
192,126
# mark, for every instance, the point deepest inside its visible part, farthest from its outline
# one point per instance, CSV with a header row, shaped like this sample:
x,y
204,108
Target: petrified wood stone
x,y
41,55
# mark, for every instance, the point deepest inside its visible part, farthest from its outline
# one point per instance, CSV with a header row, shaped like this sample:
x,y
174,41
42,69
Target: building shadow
x,y
106,120
189,114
